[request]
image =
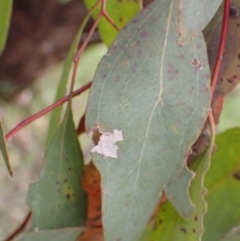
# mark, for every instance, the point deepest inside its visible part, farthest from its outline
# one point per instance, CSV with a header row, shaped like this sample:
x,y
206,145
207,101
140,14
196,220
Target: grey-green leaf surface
x,y
3,148
223,183
55,115
178,194
194,16
169,225
120,13
233,235
57,198
65,234
5,13
157,93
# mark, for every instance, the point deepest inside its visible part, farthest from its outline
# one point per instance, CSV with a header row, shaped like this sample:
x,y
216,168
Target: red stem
x,y
222,43
20,228
89,35
32,118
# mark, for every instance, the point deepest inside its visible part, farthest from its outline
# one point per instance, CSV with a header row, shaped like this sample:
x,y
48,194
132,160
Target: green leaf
x,y
194,16
233,235
229,75
223,183
55,115
157,93
57,199
169,225
5,13
120,11
66,234
3,148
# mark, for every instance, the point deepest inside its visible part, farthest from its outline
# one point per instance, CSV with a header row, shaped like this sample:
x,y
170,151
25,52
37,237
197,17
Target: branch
x,y
20,228
32,118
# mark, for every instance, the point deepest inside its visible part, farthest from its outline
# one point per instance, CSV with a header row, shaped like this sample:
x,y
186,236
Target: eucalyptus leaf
x,y
157,94
169,225
5,14
223,183
3,148
120,12
58,199
65,234
194,16
233,235
229,75
56,113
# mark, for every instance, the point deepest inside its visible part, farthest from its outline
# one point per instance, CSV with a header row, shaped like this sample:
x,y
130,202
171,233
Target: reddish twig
x,y
221,45
32,118
88,37
20,228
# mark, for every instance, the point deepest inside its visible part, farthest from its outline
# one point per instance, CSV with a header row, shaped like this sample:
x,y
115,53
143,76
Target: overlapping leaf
x,y
5,13
65,234
223,183
194,16
169,225
3,148
157,94
57,199
233,235
120,12
229,75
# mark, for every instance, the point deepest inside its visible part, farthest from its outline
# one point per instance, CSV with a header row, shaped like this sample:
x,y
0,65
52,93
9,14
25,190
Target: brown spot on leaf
x,y
194,230
68,196
236,175
120,19
234,11
183,230
196,218
160,221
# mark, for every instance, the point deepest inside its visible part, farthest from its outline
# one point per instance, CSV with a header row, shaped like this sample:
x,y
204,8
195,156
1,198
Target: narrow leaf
x,y
223,183
5,13
156,94
57,199
3,148
66,234
55,115
120,12
229,75
233,235
194,16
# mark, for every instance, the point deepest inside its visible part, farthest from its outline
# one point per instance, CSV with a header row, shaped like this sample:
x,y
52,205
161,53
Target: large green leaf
x,y
229,75
55,115
120,11
194,16
65,234
233,235
57,199
5,13
3,148
223,183
157,93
